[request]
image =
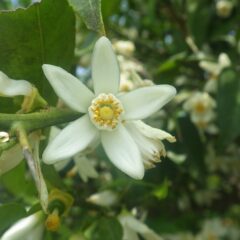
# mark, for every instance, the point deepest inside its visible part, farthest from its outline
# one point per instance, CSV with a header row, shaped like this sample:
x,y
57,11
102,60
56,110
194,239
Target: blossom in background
x,y
125,48
108,115
218,229
105,198
214,69
224,8
132,227
28,228
201,106
131,80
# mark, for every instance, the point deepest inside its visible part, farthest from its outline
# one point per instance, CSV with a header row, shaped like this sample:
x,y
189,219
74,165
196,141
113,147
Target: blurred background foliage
x,y
194,192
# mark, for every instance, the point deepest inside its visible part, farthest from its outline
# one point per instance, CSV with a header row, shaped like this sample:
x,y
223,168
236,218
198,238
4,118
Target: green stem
x,y
37,120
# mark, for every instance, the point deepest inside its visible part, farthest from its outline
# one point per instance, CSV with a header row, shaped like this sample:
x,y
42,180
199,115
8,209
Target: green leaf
x,y
17,177
161,191
228,106
199,16
90,12
10,213
42,33
192,144
106,228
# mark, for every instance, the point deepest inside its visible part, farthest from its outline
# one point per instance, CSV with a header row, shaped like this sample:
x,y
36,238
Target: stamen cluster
x,y
105,111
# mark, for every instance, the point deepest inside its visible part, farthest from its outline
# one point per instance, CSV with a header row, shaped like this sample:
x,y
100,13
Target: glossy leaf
x,y
42,33
228,100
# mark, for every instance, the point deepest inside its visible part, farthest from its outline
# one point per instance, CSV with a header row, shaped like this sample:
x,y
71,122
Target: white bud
x,y
104,199
124,47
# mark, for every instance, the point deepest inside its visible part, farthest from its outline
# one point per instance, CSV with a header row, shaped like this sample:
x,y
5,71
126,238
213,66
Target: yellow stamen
x,y
200,107
106,113
53,221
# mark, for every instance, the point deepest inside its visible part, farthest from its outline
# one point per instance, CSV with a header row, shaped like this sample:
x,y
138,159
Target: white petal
x,y
27,228
123,152
152,149
210,67
145,101
11,88
224,60
139,227
85,167
154,133
71,140
10,159
70,89
105,69
129,234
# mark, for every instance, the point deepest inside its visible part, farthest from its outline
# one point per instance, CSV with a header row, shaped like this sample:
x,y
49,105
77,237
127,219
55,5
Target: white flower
x,y
27,228
125,48
105,198
106,112
11,88
132,227
201,105
224,8
214,69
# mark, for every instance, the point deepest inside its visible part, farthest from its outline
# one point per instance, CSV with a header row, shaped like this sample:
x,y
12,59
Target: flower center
x,y
200,107
105,111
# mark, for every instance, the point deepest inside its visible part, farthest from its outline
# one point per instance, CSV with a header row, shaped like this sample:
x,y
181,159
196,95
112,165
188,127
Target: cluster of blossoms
x,y
201,106
130,68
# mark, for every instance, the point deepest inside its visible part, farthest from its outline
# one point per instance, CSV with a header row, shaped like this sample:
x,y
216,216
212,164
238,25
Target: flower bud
x,y
125,48
104,199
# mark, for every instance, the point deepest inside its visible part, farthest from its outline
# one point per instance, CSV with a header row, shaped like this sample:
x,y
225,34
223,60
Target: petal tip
x,y
137,173
103,40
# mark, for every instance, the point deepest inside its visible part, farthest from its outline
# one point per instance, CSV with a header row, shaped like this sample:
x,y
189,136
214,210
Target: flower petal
x,y
71,140
145,101
153,133
10,158
85,167
105,69
151,148
70,89
11,88
123,152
